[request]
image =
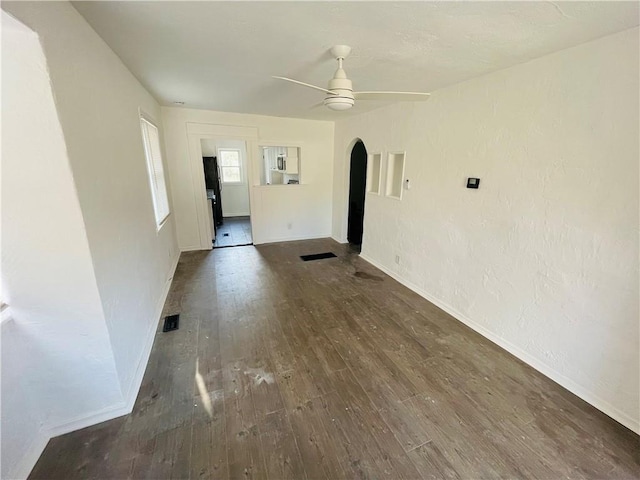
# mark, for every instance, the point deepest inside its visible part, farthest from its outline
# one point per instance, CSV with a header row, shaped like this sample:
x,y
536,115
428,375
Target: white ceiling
x,y
221,55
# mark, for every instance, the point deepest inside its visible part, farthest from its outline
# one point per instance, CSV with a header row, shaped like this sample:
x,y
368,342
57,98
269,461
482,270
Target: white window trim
x,y
144,117
5,313
242,174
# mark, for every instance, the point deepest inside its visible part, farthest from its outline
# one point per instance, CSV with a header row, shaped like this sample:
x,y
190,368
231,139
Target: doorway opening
x,y
357,187
226,181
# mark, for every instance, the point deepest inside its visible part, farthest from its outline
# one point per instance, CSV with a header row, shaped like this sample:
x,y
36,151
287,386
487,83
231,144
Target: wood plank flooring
x,y
284,369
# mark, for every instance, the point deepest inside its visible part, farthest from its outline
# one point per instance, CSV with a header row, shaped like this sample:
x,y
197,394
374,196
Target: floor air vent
x,y
317,256
171,323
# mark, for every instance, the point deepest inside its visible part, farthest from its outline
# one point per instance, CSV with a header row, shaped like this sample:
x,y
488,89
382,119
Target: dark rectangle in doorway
x,y
317,256
171,323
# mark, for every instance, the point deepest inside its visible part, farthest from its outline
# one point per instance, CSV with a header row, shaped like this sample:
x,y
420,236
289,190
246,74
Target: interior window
x,y
280,165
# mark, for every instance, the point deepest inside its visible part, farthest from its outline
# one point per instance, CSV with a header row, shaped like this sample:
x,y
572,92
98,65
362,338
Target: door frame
x,y
195,133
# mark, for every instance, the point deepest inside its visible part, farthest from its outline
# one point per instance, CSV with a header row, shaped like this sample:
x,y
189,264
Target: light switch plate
x,y
473,182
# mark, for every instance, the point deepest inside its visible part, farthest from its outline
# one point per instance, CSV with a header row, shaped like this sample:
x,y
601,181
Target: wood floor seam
x,y
418,446
373,405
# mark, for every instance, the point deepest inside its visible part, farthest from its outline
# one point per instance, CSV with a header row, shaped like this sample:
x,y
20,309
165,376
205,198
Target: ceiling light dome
x,y
339,103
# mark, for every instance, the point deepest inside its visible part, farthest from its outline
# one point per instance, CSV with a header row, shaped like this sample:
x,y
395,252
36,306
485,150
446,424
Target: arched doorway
x,y
357,186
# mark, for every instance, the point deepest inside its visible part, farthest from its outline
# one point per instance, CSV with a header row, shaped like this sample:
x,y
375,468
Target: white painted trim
x,y
195,133
126,406
238,214
291,239
5,314
526,357
193,248
83,421
136,382
46,432
199,191
286,143
145,115
29,459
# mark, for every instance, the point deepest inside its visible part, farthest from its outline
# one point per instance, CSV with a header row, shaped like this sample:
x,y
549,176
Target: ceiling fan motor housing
x,y
342,92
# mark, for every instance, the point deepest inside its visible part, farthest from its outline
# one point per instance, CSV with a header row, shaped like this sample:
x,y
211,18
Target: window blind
x,y
155,167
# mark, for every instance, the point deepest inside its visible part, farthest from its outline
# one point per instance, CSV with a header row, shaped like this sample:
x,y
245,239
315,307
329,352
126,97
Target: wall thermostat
x,y
473,182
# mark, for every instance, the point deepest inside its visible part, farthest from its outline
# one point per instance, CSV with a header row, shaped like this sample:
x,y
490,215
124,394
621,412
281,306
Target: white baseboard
x,y
134,387
518,352
28,461
236,214
126,406
113,411
191,248
83,421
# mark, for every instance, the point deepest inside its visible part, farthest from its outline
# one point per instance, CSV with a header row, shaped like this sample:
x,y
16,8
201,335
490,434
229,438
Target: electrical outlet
x,y
289,225
398,259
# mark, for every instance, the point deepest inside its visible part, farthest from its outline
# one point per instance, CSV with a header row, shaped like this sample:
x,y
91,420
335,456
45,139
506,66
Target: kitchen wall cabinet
x,y
293,161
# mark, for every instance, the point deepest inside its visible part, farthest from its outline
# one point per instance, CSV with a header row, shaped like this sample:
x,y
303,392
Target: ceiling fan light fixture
x,y
338,103
340,94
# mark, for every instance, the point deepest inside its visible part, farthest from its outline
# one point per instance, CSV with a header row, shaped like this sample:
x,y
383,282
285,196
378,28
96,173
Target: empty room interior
x,y
337,240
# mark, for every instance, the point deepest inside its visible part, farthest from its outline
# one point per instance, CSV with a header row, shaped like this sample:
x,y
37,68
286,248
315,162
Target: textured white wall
x,y
97,100
543,258
57,361
278,212
235,198
209,147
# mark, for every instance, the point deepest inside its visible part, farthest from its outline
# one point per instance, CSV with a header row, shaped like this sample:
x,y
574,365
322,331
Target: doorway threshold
x,y
215,247
355,247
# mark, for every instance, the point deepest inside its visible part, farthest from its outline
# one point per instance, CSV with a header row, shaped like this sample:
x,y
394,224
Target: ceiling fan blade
x,y
392,96
304,84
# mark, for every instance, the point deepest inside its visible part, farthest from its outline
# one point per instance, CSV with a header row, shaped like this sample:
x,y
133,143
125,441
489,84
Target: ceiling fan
x,y
340,94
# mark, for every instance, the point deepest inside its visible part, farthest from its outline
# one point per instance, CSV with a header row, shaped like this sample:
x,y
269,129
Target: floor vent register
x,y
171,323
317,256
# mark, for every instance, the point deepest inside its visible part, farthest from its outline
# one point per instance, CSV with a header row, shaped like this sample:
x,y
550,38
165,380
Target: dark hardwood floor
x,y
330,369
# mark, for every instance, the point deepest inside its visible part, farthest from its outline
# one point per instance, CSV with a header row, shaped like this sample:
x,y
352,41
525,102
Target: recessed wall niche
x,y
374,173
395,174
